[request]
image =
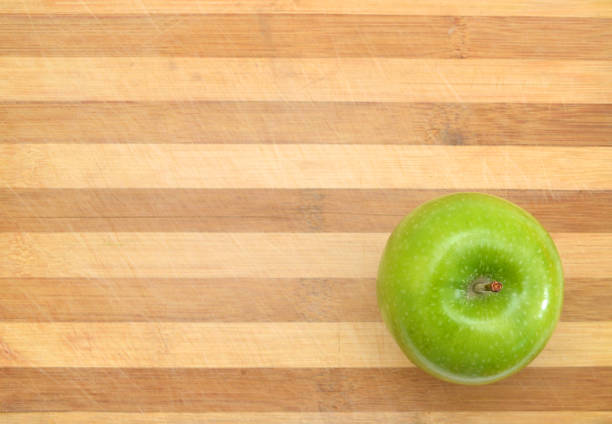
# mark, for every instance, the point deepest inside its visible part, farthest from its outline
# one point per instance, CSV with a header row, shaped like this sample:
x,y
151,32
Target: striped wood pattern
x,y
194,196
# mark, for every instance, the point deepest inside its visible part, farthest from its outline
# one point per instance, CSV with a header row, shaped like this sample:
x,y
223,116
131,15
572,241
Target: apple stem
x,y
483,287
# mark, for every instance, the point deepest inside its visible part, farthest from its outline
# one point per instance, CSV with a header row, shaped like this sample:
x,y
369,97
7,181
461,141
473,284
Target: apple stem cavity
x,y
483,286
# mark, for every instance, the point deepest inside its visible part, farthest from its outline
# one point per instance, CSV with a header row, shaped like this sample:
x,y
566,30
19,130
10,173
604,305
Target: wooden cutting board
x,y
194,196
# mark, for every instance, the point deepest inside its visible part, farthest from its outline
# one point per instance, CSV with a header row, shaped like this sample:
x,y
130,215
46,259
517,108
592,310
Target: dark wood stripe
x,y
232,300
218,300
411,417
587,300
322,390
265,210
285,35
307,122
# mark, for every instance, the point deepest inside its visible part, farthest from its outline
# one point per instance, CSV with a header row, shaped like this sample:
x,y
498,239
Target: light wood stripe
x,y
558,417
252,345
264,210
587,8
254,255
296,389
304,166
322,79
306,122
224,300
307,36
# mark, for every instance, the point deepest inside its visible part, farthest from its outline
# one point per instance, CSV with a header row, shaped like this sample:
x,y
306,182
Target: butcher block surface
x,y
194,196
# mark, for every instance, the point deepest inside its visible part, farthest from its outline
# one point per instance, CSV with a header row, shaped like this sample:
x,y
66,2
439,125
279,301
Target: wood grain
x,y
295,390
223,300
252,345
307,122
302,79
306,36
194,196
231,255
508,417
304,166
583,8
269,210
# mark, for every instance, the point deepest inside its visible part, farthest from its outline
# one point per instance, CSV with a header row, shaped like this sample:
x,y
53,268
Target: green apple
x,y
471,287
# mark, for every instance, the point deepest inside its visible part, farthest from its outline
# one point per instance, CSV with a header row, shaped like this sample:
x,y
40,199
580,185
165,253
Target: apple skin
x,y
424,279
